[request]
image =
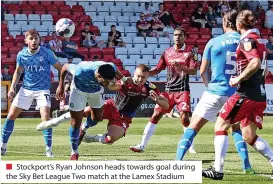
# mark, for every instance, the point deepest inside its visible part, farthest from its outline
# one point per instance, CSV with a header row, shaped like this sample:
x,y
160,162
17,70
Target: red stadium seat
x,y
8,61
77,8
14,56
14,50
65,13
120,67
193,6
40,12
205,31
8,44
85,18
20,44
4,56
190,41
39,7
95,50
26,7
13,7
4,27
110,57
46,2
205,36
181,6
4,33
108,51
192,30
33,2
168,5
193,35
58,3
201,41
117,62
76,39
20,38
64,7
83,50
4,50
126,73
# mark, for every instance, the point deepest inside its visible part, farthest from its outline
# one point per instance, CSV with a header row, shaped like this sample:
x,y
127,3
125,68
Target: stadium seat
x,y
108,3
193,35
103,11
121,4
133,20
123,21
14,50
216,31
47,19
142,61
43,30
158,52
133,4
8,44
128,11
191,30
129,62
134,53
71,3
206,36
147,53
110,20
139,42
115,11
104,30
8,38
4,50
21,19
34,19
138,10
8,61
265,32
98,21
4,55
151,42
190,41
27,27
84,3
153,62
164,42
108,51
201,41
117,62
96,3
131,31
15,27
168,29
131,69
120,51
128,41
9,17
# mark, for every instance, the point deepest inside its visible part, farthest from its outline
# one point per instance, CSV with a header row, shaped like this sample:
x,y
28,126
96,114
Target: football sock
x,y
148,132
192,145
221,146
185,143
241,148
7,131
74,134
48,137
263,148
89,123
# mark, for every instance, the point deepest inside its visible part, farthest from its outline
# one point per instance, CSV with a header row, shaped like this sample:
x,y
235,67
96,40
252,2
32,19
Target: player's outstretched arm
x,y
253,66
16,76
154,71
60,89
160,100
204,71
121,77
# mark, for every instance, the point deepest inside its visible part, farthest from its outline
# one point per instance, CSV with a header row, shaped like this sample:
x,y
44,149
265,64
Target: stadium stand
x,y
43,15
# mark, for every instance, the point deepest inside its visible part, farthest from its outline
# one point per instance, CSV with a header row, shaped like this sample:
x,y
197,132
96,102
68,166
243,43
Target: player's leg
x,y
241,148
114,133
94,113
183,104
151,126
77,103
249,127
44,103
22,100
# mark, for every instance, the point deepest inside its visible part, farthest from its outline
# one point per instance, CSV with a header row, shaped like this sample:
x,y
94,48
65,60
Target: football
x,y
65,27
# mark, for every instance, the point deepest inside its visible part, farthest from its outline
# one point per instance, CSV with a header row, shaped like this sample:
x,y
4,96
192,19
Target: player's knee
x,y
185,120
97,117
249,139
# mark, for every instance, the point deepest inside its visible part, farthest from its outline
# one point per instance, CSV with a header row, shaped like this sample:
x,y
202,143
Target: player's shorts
x,y
25,97
78,99
242,109
111,113
182,101
209,106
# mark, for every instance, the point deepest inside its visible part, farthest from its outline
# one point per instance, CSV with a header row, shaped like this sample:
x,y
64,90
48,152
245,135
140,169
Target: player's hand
x,y
234,81
60,93
154,96
11,93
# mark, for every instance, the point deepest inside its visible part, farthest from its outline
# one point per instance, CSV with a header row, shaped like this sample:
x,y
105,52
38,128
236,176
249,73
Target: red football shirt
x,y
177,80
129,98
250,47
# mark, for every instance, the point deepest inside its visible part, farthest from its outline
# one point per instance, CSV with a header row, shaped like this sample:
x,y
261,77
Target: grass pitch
x,y
27,144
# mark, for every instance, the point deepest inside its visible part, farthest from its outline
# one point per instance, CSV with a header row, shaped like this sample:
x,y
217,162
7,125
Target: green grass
x,y
162,146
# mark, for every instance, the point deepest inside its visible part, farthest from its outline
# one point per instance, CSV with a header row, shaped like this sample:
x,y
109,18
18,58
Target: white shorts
x,y
209,106
78,99
25,97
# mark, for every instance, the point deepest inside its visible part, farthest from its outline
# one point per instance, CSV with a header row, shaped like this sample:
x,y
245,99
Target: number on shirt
x,y
230,61
47,96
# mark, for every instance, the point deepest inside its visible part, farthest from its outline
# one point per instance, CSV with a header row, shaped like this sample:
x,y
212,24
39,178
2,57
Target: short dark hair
x,y
107,71
96,57
86,24
161,4
180,29
113,26
143,67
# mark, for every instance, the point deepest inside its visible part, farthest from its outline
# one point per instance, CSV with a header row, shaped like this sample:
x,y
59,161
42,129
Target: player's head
x,y
229,20
179,36
6,69
161,6
141,74
32,39
105,74
245,20
54,35
270,38
113,28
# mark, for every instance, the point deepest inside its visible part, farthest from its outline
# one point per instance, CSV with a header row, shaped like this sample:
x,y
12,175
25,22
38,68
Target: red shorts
x,y
182,101
111,113
239,108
